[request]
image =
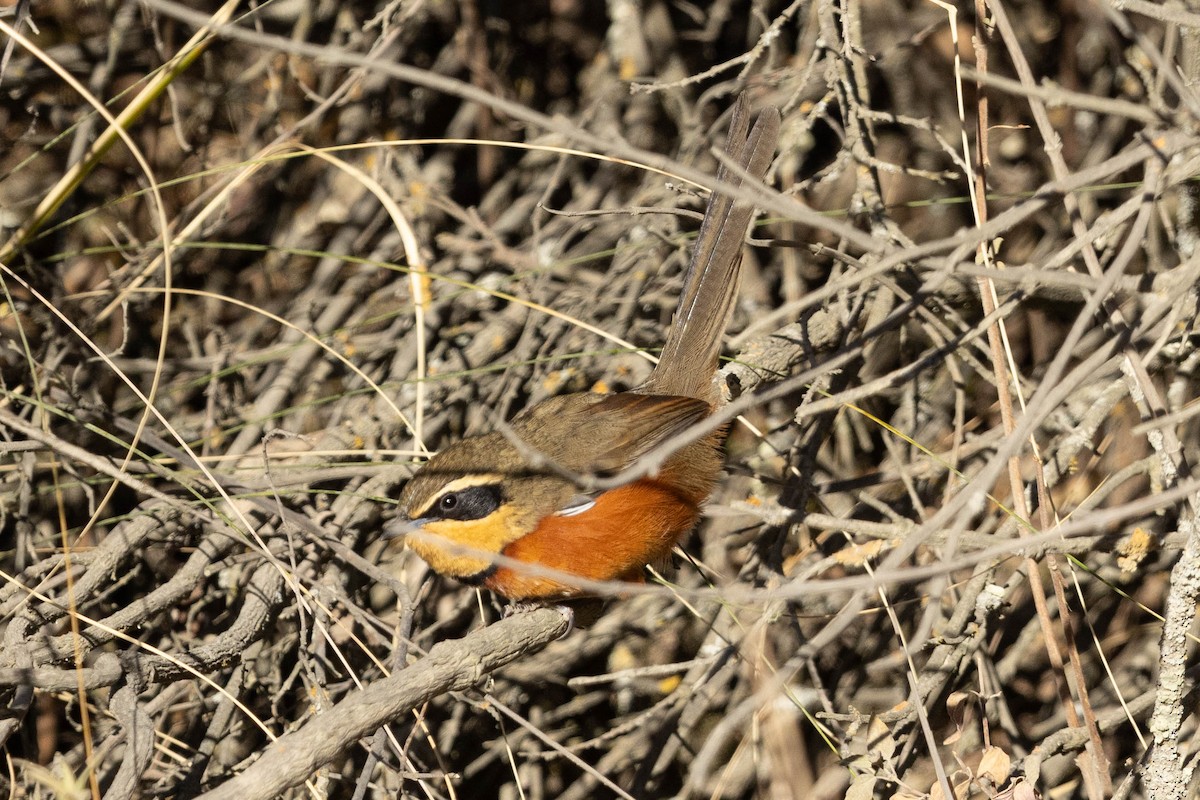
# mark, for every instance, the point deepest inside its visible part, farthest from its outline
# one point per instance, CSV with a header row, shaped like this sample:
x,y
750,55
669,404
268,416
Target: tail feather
x,y
689,357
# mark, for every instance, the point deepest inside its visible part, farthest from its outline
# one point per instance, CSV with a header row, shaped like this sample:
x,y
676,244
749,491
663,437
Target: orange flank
x,y
627,528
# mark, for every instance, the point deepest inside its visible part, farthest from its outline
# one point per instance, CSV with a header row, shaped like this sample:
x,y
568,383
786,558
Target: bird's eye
x,y
448,502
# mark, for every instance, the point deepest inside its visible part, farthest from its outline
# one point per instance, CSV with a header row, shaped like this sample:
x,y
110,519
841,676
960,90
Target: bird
x,y
511,492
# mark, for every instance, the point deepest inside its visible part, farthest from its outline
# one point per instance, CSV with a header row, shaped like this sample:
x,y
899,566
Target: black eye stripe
x,y
473,502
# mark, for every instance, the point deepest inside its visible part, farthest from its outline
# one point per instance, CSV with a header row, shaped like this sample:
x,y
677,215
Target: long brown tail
x,y
689,357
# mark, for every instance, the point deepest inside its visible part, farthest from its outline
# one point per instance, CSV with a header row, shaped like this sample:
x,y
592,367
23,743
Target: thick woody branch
x,y
450,666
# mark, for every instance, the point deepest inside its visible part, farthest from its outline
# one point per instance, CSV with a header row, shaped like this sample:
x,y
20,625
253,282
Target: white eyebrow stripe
x,y
474,479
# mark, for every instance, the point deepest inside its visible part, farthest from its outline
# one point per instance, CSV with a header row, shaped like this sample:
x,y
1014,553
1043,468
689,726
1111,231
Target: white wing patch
x,y
576,505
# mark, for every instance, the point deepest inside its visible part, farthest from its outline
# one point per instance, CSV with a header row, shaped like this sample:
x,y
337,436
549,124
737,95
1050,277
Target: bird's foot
x,y
523,607
520,607
569,613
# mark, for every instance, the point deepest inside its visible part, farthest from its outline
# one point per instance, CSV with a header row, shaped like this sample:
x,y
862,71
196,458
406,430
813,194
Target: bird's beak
x,y
400,526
